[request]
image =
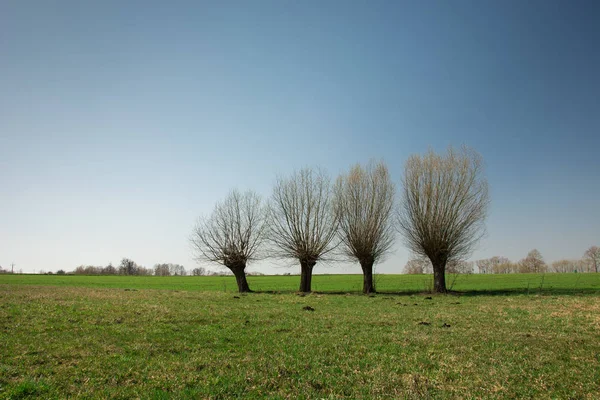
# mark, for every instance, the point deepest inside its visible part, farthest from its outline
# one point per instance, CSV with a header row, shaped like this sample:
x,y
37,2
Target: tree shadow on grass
x,y
531,292
340,293
468,293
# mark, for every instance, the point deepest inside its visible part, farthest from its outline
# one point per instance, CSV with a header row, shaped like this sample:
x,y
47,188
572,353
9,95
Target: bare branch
x,y
593,256
303,223
233,233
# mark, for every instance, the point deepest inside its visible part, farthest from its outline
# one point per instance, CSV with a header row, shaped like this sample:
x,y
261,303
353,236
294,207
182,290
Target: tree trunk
x,y
439,277
367,268
240,278
306,275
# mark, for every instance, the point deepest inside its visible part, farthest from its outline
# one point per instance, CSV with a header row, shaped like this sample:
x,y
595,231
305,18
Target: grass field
x,y
522,283
509,336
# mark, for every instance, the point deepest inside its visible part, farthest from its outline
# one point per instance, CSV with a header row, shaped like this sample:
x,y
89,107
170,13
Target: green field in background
x,y
532,283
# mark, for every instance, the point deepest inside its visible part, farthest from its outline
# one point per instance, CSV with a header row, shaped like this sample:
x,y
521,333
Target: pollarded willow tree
x,y
302,222
232,235
444,204
364,201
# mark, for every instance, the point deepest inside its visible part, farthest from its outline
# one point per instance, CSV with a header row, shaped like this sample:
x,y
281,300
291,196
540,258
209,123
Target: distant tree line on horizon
x,y
131,268
9,271
532,263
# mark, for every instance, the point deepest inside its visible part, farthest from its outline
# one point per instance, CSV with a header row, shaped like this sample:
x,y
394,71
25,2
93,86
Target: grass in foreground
x,y
62,342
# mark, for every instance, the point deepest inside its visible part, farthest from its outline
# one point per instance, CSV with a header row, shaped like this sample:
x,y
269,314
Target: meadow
x,y
496,336
518,283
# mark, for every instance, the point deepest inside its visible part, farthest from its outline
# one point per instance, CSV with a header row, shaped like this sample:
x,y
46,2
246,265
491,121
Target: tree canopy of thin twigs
x,y
494,265
233,234
302,222
593,255
444,204
418,265
534,262
364,201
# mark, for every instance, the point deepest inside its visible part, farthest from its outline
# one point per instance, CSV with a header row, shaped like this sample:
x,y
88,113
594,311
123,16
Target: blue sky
x,y
121,122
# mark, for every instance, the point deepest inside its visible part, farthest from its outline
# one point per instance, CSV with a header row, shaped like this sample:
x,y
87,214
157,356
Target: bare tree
x,y
593,255
505,266
141,270
162,270
109,270
177,270
492,265
128,267
232,235
460,267
444,205
303,223
418,265
364,200
564,266
534,262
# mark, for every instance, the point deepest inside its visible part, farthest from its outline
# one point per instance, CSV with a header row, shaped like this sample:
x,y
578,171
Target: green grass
x,y
525,283
109,338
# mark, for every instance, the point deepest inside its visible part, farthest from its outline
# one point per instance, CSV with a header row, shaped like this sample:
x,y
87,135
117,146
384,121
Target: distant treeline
x,y
532,263
130,267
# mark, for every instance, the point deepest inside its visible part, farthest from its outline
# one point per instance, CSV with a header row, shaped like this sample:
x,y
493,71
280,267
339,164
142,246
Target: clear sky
x,y
122,121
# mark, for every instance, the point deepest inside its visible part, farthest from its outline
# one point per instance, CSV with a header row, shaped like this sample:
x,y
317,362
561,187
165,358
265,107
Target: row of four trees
x,y
441,212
